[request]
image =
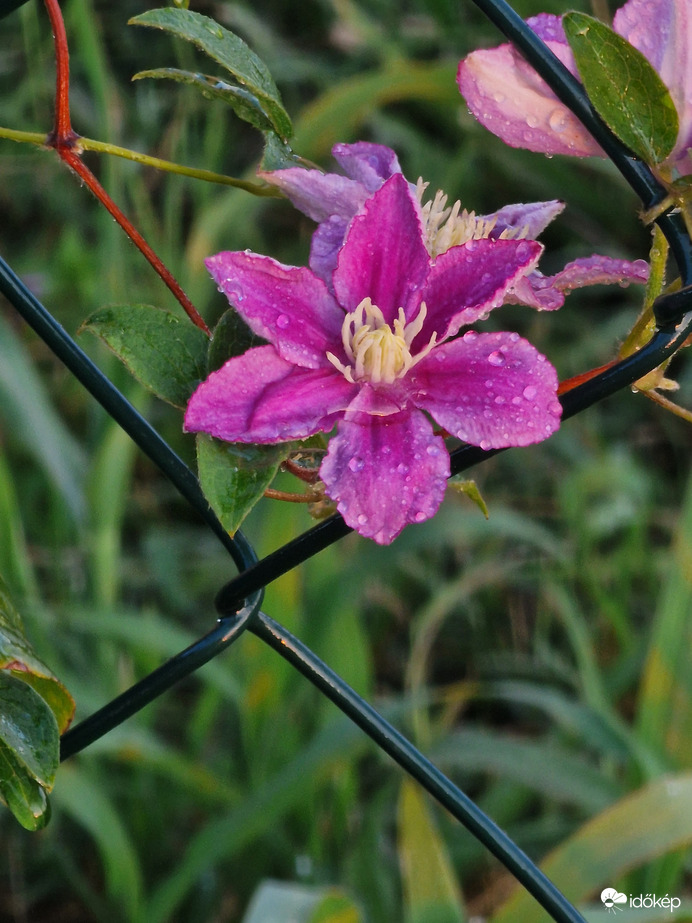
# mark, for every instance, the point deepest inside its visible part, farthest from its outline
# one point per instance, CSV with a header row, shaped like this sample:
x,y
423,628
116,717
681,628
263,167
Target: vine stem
x,y
66,143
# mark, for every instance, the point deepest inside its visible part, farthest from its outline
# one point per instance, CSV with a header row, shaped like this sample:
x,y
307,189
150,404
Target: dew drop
x,y
499,399
470,336
282,321
432,450
516,400
362,519
356,464
557,121
402,468
497,358
420,516
529,392
484,444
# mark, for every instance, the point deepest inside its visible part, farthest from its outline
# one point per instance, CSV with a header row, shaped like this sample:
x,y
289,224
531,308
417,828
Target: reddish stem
x,y
569,383
65,141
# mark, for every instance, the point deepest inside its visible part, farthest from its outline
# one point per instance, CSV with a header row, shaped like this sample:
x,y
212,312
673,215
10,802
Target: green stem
x,y
103,147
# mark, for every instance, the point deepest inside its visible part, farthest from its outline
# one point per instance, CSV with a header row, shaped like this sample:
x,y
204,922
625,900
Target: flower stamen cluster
x,y
377,353
449,226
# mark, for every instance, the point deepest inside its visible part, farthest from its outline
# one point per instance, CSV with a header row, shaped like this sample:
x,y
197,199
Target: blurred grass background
x,y
541,658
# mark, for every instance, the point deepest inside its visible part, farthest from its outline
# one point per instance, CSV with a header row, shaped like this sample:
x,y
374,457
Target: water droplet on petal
x,y
530,392
470,336
282,321
485,445
402,468
499,399
557,121
516,400
356,464
362,519
420,516
497,358
432,450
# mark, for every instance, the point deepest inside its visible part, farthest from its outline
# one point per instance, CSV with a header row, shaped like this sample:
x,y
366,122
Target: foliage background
x,y
539,657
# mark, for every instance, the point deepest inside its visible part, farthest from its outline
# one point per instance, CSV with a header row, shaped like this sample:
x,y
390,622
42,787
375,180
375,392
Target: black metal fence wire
x,y
238,602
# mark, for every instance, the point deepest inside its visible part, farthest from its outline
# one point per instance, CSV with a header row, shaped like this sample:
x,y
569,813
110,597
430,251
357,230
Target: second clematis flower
x,y
332,200
508,97
376,354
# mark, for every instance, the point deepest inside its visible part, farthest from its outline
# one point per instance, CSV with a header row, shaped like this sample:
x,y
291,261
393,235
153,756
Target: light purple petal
x,y
325,245
367,163
532,219
493,390
384,257
287,305
662,31
593,270
508,97
385,472
259,397
319,195
547,292
466,282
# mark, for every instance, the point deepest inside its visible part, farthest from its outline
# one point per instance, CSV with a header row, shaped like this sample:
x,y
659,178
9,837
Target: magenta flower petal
x,y
367,163
491,389
287,305
259,397
662,31
466,282
385,472
507,97
383,257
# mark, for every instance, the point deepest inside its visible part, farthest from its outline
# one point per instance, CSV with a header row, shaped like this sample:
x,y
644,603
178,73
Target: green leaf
x,y
642,826
245,105
233,476
246,68
165,353
29,751
624,88
17,657
232,337
430,887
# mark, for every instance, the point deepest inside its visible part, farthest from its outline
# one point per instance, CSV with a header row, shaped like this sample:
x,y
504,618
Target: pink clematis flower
x,y
332,200
374,355
508,97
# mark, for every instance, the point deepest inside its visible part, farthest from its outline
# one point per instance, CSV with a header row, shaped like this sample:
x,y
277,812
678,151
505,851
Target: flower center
x,y
449,227
377,353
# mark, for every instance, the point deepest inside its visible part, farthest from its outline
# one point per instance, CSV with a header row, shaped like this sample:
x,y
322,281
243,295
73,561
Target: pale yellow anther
x,y
376,352
447,227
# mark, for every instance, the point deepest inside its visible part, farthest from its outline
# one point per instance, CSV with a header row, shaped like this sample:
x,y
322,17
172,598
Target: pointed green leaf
x,y
246,68
232,337
233,476
18,658
624,88
165,353
470,489
29,751
430,887
245,105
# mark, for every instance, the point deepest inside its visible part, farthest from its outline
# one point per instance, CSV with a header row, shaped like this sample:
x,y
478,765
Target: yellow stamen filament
x,y
447,227
377,353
